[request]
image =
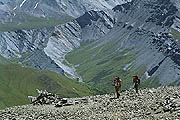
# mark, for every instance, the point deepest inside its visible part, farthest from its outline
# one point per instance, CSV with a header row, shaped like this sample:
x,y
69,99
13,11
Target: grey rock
x,y
59,8
148,113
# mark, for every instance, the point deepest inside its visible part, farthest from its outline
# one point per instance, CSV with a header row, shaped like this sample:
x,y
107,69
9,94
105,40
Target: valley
x,y
90,42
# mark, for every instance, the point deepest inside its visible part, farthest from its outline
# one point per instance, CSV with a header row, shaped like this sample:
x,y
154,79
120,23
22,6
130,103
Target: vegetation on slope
x,y
17,82
99,65
176,34
27,22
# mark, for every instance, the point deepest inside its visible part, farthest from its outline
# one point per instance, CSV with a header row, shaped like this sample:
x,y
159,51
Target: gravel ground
x,y
150,104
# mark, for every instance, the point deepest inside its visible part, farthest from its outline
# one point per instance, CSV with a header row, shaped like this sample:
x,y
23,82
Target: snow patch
x,y
22,3
147,75
127,66
15,8
36,5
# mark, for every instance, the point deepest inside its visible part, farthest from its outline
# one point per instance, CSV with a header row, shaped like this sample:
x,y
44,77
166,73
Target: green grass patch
x,y
151,83
176,34
17,82
4,60
99,65
23,21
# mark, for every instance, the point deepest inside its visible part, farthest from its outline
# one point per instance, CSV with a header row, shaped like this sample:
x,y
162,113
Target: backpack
x,y
117,82
137,80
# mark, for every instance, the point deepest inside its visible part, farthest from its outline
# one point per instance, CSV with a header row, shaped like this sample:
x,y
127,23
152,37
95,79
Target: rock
x,y
46,98
166,108
84,100
148,113
178,114
158,111
64,100
68,104
58,105
150,91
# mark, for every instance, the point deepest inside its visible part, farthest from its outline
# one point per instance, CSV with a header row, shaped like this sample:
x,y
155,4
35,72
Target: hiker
x,y
117,84
136,81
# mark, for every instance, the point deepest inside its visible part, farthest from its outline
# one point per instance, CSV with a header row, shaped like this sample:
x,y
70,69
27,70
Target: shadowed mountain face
x,y
137,37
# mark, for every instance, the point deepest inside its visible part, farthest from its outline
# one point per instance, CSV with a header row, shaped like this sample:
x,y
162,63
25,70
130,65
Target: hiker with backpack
x,y
136,81
117,84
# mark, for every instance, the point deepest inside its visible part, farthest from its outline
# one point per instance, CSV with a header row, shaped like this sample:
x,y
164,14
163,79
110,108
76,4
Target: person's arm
x,y
120,81
134,81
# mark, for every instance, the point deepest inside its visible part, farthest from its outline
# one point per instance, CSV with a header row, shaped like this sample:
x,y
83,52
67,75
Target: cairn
x,y
44,98
47,98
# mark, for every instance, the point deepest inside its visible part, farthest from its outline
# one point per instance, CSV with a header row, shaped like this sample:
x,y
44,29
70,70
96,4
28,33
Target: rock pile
x,y
46,98
149,104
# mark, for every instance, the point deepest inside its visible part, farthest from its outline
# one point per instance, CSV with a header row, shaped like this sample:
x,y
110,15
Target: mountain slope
x,y
18,81
60,8
138,37
45,48
69,36
5,13
63,10
38,47
156,104
139,43
99,64
22,21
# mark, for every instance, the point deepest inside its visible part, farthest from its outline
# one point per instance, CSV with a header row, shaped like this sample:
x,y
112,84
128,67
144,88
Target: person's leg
x,y
117,93
116,90
136,88
119,90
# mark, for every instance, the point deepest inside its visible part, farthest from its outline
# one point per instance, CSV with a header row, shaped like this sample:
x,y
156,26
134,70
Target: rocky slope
x,y
150,36
91,26
6,13
59,8
152,104
46,48
142,41
28,45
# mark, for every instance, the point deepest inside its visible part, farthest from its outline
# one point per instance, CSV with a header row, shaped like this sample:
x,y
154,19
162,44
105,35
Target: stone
x,y
166,109
148,113
158,111
58,105
64,100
